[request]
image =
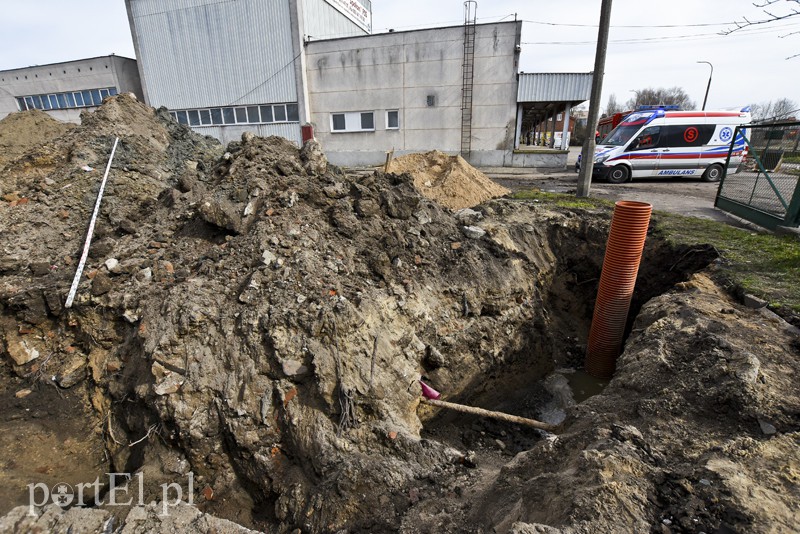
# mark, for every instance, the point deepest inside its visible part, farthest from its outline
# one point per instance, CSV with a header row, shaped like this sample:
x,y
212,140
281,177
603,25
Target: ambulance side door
x,y
644,152
685,145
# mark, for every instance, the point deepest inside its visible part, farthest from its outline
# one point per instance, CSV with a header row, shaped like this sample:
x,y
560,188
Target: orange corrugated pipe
x,y
620,266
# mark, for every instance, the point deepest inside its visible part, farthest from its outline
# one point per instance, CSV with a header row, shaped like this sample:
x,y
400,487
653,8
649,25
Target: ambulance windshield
x,y
620,135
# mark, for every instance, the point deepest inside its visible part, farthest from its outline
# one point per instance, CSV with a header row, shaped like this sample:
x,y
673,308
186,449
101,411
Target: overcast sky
x,y
652,44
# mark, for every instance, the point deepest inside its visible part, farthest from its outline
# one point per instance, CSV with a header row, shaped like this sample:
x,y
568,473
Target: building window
x,y
241,115
292,114
266,113
67,100
255,114
353,121
368,121
392,119
279,112
205,117
252,115
338,122
559,117
431,101
216,116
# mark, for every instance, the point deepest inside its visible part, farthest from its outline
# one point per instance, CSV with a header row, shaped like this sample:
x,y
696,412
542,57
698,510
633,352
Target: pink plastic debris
x,y
428,392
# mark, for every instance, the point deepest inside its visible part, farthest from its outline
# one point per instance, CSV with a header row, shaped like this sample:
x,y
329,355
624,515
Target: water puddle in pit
x,y
568,387
584,385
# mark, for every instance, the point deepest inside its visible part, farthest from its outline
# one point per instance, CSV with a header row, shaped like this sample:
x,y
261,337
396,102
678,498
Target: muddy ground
x,y
253,321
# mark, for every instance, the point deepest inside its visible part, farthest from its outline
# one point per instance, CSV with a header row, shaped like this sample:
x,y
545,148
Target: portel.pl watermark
x,y
124,489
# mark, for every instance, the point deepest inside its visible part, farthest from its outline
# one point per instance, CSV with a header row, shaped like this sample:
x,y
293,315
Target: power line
x,y
547,23
641,40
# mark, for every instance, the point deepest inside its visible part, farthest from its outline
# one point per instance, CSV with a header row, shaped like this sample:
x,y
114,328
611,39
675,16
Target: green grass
x,y
762,264
765,265
562,200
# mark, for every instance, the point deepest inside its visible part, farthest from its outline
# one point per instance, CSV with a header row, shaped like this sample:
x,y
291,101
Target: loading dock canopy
x,y
542,96
554,88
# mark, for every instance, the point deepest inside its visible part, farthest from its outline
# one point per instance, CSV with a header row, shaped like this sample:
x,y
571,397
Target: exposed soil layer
x,y
20,132
255,321
449,180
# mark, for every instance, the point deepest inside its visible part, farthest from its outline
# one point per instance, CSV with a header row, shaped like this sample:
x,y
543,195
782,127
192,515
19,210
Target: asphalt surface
x,y
685,196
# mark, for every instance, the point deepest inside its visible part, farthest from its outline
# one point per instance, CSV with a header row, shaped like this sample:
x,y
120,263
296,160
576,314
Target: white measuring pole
x,y
79,272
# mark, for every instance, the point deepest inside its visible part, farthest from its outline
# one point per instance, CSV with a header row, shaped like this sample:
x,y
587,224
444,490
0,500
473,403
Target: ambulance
x,y
666,143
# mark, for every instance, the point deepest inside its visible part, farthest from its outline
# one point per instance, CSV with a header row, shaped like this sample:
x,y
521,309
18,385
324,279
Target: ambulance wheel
x,y
713,173
618,174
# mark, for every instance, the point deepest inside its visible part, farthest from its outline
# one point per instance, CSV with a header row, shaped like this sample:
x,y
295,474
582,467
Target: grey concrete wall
x,y
92,73
480,158
398,71
127,73
545,160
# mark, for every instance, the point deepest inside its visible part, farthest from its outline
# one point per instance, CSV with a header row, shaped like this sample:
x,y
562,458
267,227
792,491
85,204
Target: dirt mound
x,y
449,180
19,132
255,321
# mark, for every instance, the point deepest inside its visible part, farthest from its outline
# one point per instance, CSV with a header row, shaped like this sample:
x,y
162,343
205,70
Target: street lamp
x,y
709,82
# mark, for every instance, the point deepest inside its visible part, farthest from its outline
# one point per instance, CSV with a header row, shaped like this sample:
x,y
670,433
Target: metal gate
x,y
765,188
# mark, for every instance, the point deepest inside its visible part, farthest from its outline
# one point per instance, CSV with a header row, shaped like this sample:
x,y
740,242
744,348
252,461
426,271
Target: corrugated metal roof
x,y
554,87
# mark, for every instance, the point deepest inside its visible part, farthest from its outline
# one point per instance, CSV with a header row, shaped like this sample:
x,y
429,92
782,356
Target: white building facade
x,y
283,67
403,91
64,90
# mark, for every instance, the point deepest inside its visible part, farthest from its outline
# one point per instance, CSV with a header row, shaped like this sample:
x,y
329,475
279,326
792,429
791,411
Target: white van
x,y
659,142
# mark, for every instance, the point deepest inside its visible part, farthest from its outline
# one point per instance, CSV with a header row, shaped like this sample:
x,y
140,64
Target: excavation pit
x,y
545,378
258,318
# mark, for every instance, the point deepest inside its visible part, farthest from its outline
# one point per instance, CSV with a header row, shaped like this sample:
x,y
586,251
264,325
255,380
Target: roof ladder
x,y
467,71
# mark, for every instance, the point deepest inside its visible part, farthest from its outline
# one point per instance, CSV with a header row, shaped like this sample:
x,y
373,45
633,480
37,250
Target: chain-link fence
x,y
764,188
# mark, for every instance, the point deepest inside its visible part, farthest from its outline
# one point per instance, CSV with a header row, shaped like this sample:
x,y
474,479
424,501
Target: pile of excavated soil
x,y
20,132
449,180
255,321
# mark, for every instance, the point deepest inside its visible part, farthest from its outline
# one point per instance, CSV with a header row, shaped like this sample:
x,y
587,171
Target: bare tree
x,y
783,108
768,7
612,107
673,96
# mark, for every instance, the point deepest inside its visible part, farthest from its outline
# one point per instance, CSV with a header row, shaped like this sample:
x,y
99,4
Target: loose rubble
x,y
255,320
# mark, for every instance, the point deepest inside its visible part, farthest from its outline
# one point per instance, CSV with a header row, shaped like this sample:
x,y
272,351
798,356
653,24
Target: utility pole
x,y
587,153
709,82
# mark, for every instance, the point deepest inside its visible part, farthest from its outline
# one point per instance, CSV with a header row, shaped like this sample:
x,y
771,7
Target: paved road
x,y
686,196
678,195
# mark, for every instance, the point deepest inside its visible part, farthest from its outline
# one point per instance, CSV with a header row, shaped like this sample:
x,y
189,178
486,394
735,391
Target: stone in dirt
x,y
272,345
449,180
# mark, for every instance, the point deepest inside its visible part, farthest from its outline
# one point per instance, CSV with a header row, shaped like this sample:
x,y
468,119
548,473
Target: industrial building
x,y
272,68
64,90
